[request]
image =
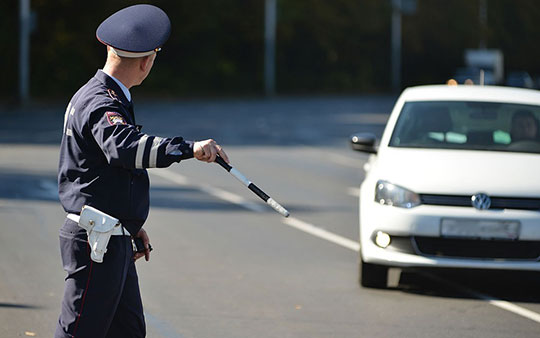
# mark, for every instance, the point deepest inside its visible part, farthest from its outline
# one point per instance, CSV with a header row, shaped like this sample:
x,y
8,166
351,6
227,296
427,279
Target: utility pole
x,y
24,50
270,18
482,18
396,46
399,7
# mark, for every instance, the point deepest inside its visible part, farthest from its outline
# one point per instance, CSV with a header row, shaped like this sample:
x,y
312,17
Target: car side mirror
x,y
364,142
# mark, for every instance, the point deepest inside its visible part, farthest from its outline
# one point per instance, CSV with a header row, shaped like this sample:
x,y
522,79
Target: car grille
x,y
471,248
496,202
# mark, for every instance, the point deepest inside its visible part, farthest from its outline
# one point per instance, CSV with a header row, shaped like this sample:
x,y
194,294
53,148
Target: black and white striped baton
x,y
238,175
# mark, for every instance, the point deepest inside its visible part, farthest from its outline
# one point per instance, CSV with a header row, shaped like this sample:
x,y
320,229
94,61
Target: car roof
x,y
472,93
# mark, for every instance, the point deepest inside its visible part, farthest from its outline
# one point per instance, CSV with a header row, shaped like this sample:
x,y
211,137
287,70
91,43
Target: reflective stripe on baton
x,y
238,175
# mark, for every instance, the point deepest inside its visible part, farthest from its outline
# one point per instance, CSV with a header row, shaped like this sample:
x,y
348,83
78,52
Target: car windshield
x,y
468,125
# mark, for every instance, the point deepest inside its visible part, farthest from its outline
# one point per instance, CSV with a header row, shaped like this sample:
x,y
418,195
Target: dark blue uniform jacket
x,y
104,155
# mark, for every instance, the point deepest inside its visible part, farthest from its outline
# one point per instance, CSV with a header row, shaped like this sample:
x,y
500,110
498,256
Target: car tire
x,y
372,275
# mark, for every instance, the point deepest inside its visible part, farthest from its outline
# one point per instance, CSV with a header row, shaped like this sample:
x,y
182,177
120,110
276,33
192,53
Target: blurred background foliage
x,y
323,46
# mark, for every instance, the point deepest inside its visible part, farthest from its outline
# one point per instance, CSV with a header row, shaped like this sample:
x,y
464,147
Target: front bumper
x,y
417,240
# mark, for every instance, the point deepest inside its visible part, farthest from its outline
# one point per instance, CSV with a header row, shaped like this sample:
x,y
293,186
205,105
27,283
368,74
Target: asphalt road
x,y
225,264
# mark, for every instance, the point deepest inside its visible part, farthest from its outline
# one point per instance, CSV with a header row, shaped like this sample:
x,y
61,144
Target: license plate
x,y
484,229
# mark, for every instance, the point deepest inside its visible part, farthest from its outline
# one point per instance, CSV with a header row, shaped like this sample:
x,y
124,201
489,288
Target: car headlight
x,y
390,194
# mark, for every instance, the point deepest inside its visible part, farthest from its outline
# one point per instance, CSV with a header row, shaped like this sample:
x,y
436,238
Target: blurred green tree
x,y
216,46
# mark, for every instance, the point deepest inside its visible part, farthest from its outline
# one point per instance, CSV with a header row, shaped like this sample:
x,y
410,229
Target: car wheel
x,y
372,275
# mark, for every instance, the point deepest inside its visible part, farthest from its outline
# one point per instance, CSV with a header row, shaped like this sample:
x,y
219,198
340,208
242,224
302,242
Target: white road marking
x,y
347,243
502,304
354,192
515,309
216,192
345,160
356,160
334,238
171,176
321,233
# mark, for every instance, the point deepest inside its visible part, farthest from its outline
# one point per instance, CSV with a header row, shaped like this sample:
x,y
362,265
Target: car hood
x,y
460,172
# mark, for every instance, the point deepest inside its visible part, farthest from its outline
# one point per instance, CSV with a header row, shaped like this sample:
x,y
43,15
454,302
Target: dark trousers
x,y
100,299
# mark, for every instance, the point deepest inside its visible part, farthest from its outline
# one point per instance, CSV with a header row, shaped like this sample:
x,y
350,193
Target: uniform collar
x,y
115,86
121,85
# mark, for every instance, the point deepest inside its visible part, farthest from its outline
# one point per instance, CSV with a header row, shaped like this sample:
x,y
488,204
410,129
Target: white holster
x,y
100,227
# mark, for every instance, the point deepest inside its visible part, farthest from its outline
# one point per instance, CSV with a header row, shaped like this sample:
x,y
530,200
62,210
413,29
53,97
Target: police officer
x,y
103,160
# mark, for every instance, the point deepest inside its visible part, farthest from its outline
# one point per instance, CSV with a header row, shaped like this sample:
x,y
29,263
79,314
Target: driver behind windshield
x,y
524,126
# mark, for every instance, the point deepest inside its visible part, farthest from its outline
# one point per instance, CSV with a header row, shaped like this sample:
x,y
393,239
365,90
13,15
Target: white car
x,y
454,182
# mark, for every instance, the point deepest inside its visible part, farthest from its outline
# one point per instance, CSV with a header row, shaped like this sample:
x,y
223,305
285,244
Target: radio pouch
x,y
99,226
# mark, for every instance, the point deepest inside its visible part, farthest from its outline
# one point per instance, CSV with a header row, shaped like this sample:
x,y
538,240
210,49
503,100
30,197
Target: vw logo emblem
x,y
481,201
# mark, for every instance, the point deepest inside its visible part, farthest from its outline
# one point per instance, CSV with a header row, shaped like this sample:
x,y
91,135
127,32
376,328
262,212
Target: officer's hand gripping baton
x,y
238,175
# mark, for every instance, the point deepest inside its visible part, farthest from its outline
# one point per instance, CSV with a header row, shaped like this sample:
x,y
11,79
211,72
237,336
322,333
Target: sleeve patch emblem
x,y
115,118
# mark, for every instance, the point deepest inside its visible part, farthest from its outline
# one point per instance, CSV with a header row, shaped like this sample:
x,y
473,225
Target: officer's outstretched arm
x,y
124,146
